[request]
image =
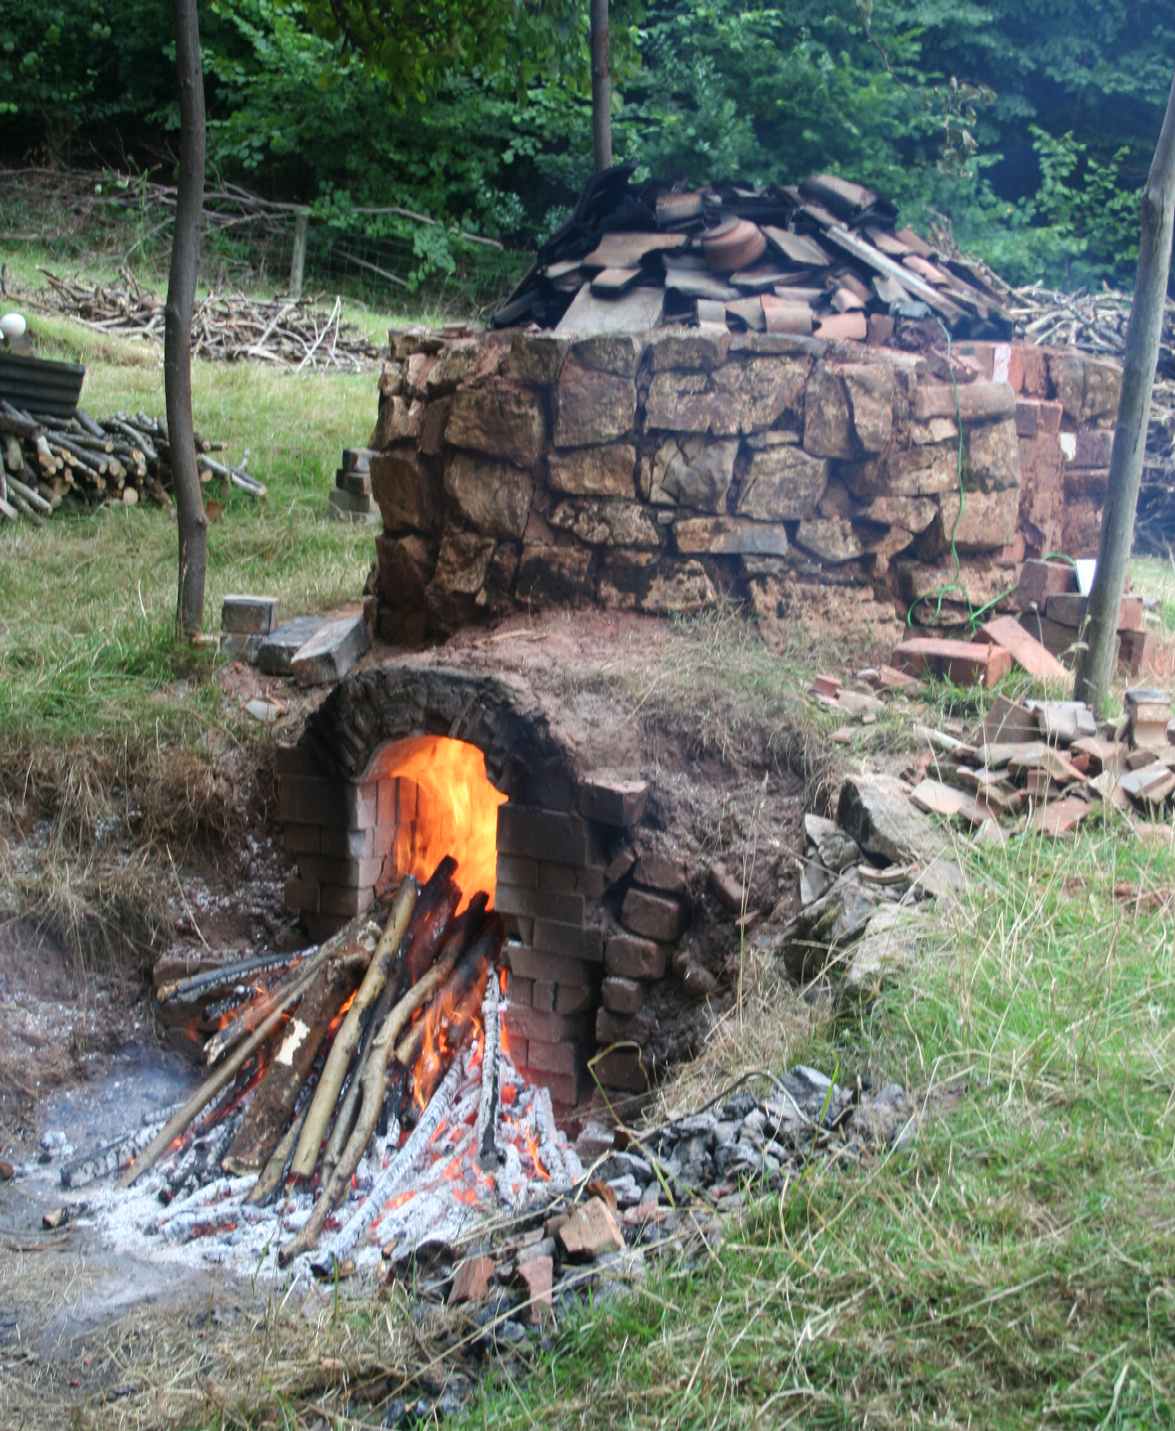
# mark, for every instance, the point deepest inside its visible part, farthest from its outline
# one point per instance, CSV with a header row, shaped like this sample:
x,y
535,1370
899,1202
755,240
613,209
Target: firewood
x,y
199,986
326,1094
33,498
272,1105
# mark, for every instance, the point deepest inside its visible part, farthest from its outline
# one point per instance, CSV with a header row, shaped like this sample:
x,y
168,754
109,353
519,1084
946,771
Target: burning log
x,y
373,1080
111,1157
199,986
227,1071
331,1080
271,1109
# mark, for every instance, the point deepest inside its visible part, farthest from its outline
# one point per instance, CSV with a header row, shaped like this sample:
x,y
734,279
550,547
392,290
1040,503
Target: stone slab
x,y
280,647
331,652
248,615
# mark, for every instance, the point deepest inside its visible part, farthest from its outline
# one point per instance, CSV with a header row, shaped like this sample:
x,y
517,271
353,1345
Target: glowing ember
x,y
457,813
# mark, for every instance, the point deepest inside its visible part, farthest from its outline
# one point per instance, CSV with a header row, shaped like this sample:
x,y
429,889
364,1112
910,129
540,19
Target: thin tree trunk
x,y
177,342
1142,350
601,87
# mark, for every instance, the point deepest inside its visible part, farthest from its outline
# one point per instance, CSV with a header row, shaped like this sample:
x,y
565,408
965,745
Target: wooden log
x,y
199,986
34,499
338,1060
271,1108
13,420
22,506
13,455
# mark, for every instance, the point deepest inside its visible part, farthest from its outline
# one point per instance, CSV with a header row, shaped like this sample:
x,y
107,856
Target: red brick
x,y
613,802
357,844
976,401
310,800
967,663
350,874
1081,524
622,1068
622,996
554,1057
471,1281
1133,648
1130,614
620,1028
1007,365
574,999
537,1273
587,880
1056,638
541,834
568,940
657,872
518,928
539,904
517,1047
516,870
1026,419
652,915
542,996
551,1028
1035,369
1092,447
1027,651
302,895
1066,609
565,1087
634,958
1058,817
591,1229
521,991
537,964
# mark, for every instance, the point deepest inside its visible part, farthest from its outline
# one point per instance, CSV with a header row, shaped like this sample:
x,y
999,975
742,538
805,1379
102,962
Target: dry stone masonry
x,y
658,472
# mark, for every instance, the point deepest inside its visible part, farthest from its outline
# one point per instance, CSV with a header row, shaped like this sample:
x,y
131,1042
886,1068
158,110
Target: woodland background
x,y
1022,128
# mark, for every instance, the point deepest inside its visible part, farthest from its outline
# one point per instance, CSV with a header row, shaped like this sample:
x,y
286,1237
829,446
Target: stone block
x,y
407,492
1087,388
912,514
541,834
604,471
1088,447
657,872
687,350
539,904
922,471
980,521
463,563
871,390
493,497
331,652
592,406
537,357
1081,524
782,484
554,575
690,472
621,995
607,522
653,916
729,536
501,419
248,615
631,958
633,580
738,397
406,564
832,539
568,940
828,416
282,644
993,456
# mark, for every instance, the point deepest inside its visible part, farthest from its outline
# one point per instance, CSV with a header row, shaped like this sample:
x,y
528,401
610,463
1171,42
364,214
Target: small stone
x,y
7,1171
56,1218
264,711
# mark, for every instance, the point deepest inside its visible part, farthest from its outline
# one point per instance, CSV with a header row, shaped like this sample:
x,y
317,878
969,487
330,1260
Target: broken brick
x,y
1058,817
967,663
591,1229
538,1274
471,1281
1026,650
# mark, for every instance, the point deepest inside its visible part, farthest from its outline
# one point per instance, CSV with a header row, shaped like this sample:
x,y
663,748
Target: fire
x,y
456,811
451,1019
532,1147
333,1026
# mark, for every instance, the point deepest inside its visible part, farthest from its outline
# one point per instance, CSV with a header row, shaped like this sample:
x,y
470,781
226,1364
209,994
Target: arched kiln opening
x,y
403,766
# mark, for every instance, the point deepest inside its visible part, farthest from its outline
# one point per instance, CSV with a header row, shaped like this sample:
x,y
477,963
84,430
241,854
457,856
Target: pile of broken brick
x,y
644,1194
1031,767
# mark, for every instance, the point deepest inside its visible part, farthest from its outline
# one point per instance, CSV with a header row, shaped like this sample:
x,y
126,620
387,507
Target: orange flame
x,y
447,807
532,1147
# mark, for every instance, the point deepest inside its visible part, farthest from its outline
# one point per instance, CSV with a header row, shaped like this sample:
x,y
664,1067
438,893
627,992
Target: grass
x,y
1010,1267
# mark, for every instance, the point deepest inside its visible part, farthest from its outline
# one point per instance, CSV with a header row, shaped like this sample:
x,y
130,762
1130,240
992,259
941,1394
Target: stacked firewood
x,y
124,458
349,1040
229,327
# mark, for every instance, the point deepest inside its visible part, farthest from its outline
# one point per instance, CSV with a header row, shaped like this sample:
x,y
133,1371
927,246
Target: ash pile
x,y
824,258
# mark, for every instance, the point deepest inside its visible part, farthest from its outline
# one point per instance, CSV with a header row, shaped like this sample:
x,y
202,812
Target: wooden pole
x,y
298,257
601,86
1142,351
177,338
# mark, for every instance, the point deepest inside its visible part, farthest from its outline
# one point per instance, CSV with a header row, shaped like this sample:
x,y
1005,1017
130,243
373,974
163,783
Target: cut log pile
x,y
1096,323
226,327
823,257
125,458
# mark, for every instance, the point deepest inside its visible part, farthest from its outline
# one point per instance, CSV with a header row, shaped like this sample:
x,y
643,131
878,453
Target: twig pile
x,y
1096,323
124,458
228,328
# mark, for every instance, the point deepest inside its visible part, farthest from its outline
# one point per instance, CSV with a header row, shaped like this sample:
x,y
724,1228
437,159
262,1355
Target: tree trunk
x,y
177,343
601,87
1142,350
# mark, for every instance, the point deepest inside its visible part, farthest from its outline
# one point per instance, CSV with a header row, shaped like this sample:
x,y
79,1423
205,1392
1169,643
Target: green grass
x,y
1011,1267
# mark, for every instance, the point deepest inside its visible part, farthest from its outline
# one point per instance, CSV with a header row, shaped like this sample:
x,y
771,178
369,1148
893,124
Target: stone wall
x,y
659,472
